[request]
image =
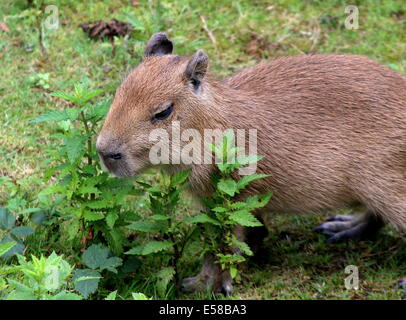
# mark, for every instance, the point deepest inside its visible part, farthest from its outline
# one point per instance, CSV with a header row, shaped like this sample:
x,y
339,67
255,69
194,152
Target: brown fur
x,y
332,127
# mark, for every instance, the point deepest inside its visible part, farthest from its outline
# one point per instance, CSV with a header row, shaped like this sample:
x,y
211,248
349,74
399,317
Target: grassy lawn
x,y
235,34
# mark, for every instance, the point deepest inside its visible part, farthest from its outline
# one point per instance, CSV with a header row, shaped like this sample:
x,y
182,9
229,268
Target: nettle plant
x,y
85,196
167,232
13,232
226,209
36,279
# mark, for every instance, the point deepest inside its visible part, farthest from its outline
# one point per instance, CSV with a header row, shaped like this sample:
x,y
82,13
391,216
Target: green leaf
x,y
179,177
156,206
4,247
139,296
38,217
243,182
116,239
145,226
233,272
54,115
7,219
98,111
258,201
93,216
111,219
242,246
99,257
86,281
151,247
63,95
111,296
227,186
65,295
245,218
75,147
164,276
159,217
18,248
22,231
202,218
85,97
248,159
99,204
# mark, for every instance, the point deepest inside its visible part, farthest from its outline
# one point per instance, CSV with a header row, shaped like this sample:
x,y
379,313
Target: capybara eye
x,y
163,114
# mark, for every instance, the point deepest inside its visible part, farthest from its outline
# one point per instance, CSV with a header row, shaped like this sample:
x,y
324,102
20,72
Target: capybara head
x,y
161,89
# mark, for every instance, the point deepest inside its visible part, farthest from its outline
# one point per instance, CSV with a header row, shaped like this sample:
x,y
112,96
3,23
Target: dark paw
x,y
221,283
342,228
210,278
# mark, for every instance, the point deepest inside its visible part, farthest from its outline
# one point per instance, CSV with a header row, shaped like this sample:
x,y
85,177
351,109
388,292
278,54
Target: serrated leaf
x,y
145,226
159,217
164,276
151,247
136,250
22,231
156,206
86,281
243,182
258,201
242,246
202,218
65,295
111,296
227,186
4,247
248,159
85,189
74,147
99,204
86,96
98,257
180,177
139,296
116,239
54,115
245,218
18,248
93,216
7,219
98,111
63,95
111,219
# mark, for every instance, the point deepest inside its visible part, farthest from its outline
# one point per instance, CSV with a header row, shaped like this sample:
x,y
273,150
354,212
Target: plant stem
x,y
89,141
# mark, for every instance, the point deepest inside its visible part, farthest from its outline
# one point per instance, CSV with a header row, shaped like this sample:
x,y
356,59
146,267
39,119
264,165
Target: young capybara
x,y
332,129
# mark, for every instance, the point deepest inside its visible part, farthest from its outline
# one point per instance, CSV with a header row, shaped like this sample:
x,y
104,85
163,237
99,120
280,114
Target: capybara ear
x,y
196,68
158,45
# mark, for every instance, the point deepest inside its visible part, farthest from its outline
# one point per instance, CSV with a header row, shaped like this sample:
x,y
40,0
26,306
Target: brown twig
x,y
206,28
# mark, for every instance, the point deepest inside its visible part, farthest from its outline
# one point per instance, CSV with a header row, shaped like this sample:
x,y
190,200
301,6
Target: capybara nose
x,y
114,156
109,155
106,151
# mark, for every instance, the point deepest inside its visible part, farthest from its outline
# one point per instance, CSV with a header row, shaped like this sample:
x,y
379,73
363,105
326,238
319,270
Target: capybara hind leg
x,y
343,228
210,278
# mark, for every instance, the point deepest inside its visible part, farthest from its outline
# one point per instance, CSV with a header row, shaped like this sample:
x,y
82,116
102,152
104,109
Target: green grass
x,y
300,264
